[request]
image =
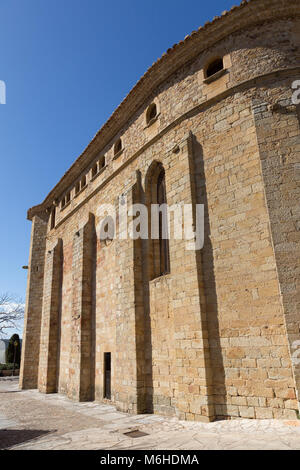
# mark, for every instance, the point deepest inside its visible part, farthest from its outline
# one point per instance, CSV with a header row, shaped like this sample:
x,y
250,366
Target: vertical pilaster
x,y
81,379
278,137
197,194
34,300
198,400
144,388
126,364
49,349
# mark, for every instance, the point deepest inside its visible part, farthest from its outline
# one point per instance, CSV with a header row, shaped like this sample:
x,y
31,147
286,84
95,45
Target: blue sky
x,y
67,64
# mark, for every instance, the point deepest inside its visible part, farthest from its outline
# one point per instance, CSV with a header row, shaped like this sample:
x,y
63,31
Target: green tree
x,y
14,344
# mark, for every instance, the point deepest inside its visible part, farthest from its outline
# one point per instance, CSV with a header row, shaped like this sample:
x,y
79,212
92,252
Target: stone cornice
x,y
239,17
37,210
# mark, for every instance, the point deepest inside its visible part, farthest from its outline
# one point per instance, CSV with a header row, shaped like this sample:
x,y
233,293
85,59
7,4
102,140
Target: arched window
x,y
158,243
213,67
163,226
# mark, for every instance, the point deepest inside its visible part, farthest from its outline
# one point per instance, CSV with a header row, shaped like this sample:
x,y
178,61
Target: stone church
x,y
147,324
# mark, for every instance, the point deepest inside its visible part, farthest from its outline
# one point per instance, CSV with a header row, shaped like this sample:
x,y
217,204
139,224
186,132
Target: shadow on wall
x,y
93,312
13,437
209,306
143,320
208,294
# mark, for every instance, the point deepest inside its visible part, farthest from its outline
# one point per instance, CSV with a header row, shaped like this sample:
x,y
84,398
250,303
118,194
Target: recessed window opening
x,y
95,169
77,188
52,220
118,146
83,182
158,247
68,197
215,66
107,375
164,267
102,162
151,113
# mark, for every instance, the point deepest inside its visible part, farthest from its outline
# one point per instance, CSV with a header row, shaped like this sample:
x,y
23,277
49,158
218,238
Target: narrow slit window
x,y
52,220
107,375
158,246
163,226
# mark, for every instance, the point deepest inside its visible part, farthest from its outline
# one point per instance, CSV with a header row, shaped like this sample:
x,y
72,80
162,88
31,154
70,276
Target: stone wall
x,y
33,307
278,130
49,360
214,336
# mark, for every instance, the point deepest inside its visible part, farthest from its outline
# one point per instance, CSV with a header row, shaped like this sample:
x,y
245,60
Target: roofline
x,y
198,41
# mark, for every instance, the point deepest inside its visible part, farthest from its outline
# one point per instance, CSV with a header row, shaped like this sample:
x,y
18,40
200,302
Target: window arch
x,y
158,243
214,66
163,225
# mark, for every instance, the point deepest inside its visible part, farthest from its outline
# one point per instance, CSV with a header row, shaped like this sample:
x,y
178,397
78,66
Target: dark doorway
x,y
107,375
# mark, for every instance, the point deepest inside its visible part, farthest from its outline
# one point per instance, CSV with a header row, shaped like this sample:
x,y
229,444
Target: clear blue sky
x,y
67,64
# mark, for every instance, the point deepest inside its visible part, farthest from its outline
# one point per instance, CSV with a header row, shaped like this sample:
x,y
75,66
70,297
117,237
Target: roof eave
x,y
221,26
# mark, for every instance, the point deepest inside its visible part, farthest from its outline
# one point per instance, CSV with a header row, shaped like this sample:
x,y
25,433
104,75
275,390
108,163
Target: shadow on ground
x,y
12,437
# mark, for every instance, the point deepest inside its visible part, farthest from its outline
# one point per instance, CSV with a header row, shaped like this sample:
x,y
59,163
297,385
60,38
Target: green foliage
x,y
7,366
13,350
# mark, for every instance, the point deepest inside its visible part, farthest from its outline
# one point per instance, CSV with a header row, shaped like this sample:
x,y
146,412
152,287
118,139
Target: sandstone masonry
x,y
214,335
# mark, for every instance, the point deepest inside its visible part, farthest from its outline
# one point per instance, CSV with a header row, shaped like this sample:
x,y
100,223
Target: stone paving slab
x,y
30,420
10,379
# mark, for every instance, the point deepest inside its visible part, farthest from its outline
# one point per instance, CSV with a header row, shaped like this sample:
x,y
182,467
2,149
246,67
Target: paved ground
x,y
30,420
